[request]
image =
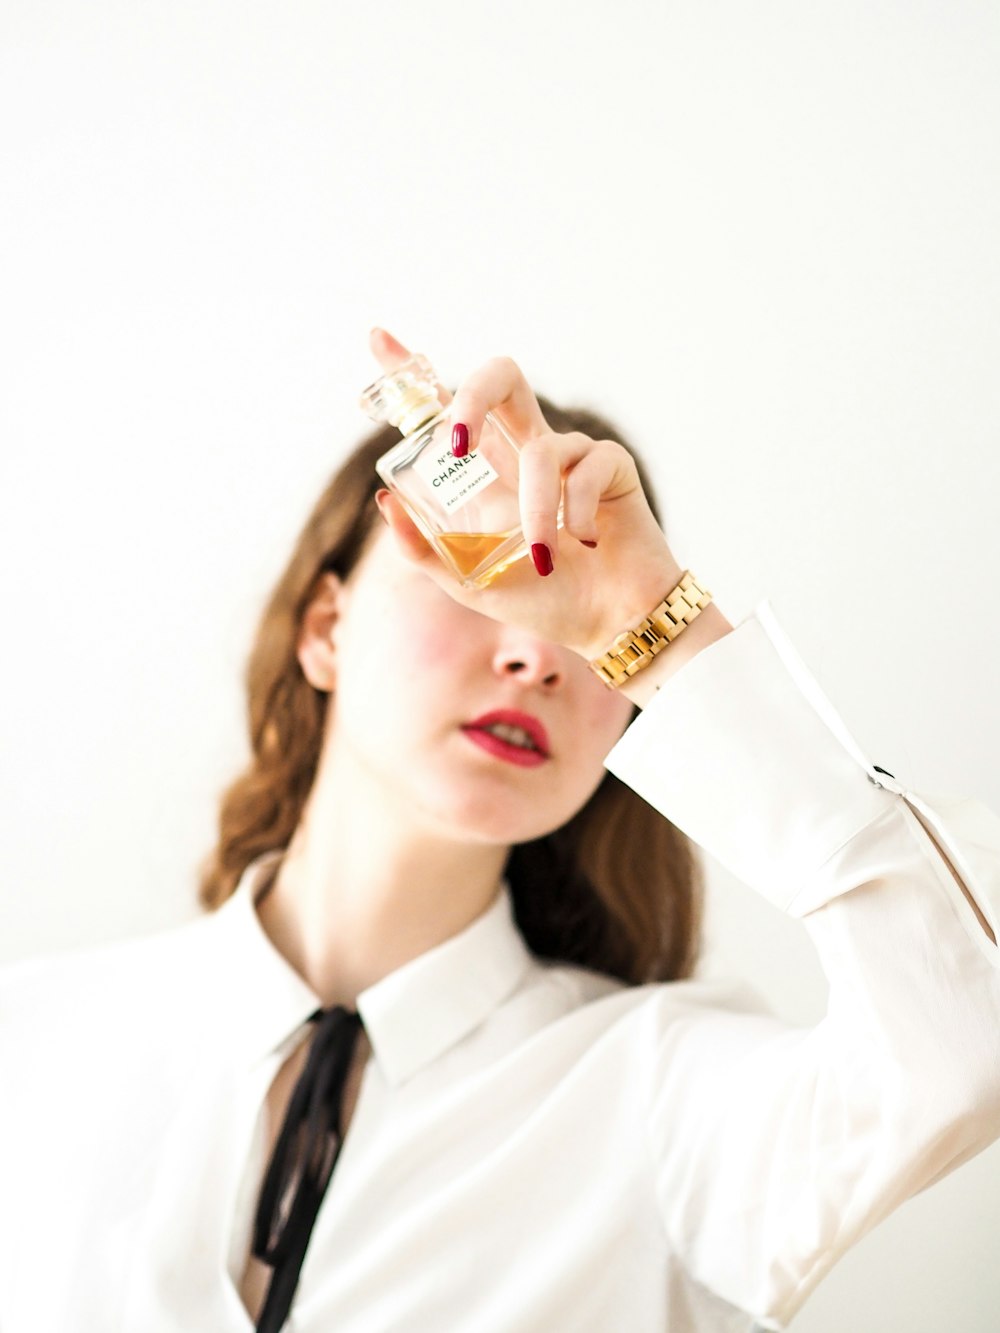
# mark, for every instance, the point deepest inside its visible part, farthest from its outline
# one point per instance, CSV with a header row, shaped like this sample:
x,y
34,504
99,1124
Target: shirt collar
x,y
413,1014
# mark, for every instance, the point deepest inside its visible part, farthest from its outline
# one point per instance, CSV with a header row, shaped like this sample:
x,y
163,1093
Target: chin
x,y
504,818
508,827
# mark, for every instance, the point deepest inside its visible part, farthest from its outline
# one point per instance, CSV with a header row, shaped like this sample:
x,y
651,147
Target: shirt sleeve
x,y
776,1148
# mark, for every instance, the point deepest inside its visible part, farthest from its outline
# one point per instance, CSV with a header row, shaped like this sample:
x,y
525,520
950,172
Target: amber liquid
x,y
468,550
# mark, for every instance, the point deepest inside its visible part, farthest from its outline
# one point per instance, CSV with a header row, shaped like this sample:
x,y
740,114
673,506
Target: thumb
x,y
409,540
389,352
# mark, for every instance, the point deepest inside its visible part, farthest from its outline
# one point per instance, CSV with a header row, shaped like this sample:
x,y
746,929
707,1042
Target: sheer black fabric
x,y
302,1163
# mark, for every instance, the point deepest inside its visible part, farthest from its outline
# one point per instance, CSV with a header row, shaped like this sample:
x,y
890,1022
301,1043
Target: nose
x,y
531,660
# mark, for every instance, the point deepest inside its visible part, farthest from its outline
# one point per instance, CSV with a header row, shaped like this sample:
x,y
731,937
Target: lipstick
x,y
509,734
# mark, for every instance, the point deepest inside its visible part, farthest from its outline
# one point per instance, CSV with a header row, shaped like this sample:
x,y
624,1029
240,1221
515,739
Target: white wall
x,y
761,236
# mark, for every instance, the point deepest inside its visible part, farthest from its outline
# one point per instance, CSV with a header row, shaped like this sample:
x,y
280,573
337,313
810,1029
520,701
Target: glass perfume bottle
x,y
467,508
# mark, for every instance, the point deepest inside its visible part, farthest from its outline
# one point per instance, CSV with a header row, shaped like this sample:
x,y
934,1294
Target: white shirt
x,y
534,1147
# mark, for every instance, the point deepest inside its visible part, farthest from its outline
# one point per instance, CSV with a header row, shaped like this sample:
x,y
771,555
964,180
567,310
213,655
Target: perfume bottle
x,y
467,508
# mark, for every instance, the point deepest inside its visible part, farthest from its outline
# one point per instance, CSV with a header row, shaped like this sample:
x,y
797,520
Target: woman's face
x,y
414,672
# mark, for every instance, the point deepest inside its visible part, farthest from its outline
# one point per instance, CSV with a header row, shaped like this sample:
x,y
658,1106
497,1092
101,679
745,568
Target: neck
x,y
361,890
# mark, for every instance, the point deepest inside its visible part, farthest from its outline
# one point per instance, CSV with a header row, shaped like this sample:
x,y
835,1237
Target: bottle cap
x,y
405,397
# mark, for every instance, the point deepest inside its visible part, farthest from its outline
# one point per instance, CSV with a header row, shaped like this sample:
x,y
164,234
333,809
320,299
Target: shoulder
x,y
706,994
654,1008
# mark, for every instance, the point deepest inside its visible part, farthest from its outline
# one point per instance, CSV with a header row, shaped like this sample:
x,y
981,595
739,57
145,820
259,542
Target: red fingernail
x,y
590,544
459,440
542,557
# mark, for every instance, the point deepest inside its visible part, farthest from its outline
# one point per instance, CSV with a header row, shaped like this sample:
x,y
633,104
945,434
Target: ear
x,y
315,648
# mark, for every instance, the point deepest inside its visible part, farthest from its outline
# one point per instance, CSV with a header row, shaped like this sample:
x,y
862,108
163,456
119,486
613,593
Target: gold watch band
x,y
637,647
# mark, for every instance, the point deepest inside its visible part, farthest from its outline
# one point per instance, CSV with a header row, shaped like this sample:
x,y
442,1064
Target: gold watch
x,y
637,647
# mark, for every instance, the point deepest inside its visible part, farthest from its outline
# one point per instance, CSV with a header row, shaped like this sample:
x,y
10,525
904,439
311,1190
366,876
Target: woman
x,y
436,1060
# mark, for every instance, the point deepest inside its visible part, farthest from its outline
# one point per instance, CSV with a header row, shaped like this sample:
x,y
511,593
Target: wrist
x,y
678,621
710,626
633,600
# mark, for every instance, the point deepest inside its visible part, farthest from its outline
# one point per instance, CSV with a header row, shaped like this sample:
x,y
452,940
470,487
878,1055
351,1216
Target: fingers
x,y
497,386
583,488
600,470
584,472
539,493
409,540
389,352
573,468
500,387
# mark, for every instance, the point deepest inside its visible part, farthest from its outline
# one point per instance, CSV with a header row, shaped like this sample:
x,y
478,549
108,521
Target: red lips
x,y
512,718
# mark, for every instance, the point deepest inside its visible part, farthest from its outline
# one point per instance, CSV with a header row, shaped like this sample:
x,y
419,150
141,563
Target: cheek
x,y
415,645
599,720
603,715
596,722
431,645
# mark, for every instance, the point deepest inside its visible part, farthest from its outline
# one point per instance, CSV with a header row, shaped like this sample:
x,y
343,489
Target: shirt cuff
x,y
744,753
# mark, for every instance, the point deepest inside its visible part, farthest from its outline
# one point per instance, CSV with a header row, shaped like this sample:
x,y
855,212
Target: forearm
x,y
708,627
819,1134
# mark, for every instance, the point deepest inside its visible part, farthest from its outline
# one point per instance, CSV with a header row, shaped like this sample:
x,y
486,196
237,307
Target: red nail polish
x,y
542,557
590,544
459,440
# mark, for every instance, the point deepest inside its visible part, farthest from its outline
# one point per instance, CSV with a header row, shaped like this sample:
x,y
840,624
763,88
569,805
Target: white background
x,y
762,237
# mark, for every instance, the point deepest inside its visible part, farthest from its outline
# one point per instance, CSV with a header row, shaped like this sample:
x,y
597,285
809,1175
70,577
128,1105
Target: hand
x,y
592,593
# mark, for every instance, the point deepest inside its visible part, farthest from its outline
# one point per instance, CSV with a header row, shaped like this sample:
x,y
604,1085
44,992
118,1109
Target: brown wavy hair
x,y
617,888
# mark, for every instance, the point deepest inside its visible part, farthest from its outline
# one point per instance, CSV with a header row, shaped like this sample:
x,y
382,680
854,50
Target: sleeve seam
x,y
804,892
951,882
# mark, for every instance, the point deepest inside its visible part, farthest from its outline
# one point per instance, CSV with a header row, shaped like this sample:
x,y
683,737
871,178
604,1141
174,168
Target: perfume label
x,y
454,481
